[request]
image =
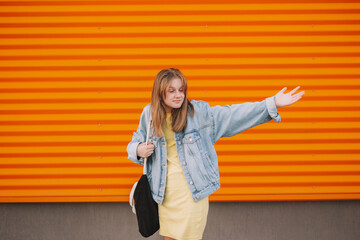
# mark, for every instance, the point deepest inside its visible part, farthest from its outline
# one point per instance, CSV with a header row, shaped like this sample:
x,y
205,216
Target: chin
x,y
178,105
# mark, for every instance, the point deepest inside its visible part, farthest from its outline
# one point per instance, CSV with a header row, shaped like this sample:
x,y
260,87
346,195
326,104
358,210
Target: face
x,y
174,95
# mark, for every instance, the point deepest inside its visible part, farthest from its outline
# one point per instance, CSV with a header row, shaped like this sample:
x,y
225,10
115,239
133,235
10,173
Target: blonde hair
x,y
158,112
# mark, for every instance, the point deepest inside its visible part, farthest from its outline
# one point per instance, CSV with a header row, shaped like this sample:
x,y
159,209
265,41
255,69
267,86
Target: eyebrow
x,y
175,88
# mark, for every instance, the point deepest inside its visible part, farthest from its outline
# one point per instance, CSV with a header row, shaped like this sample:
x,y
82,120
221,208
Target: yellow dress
x,y
180,216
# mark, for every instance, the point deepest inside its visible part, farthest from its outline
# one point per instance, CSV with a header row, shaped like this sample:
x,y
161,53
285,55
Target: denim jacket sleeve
x,y
231,120
138,137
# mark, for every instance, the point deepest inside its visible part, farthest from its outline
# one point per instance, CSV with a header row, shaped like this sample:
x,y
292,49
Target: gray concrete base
x,y
296,220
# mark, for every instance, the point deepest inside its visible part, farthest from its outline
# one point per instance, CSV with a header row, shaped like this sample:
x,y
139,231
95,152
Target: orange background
x,y
75,75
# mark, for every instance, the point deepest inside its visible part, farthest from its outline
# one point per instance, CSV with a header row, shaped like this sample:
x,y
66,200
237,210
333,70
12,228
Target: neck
x,y
168,110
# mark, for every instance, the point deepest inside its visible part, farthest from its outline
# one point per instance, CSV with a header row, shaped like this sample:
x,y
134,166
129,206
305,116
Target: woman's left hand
x,y
282,100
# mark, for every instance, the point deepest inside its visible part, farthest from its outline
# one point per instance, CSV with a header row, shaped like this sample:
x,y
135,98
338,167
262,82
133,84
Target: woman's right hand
x,y
144,150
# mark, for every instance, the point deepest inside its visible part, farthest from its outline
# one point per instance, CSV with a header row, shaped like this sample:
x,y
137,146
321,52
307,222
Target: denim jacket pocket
x,y
191,137
195,160
213,170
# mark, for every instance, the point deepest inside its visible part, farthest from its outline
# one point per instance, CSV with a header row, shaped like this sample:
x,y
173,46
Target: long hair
x,y
158,112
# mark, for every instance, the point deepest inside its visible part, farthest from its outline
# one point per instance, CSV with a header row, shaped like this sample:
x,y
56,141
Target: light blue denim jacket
x,y
195,144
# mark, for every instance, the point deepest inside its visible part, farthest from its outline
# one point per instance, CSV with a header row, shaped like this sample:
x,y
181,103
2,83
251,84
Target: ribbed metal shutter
x,y
75,76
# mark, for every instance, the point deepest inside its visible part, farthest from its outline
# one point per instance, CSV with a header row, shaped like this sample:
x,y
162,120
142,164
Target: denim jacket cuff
x,y
132,153
272,109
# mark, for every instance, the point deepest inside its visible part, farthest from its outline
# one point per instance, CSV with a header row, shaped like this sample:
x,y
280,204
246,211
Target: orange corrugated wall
x,y
75,75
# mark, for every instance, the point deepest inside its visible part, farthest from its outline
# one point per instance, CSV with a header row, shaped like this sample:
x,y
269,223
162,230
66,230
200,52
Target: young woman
x,y
182,165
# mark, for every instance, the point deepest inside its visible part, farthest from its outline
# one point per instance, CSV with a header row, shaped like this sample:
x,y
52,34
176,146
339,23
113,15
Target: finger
x,y
282,90
296,99
294,90
299,94
150,146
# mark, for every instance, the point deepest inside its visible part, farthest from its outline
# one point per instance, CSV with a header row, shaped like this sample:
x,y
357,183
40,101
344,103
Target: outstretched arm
x,y
231,120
